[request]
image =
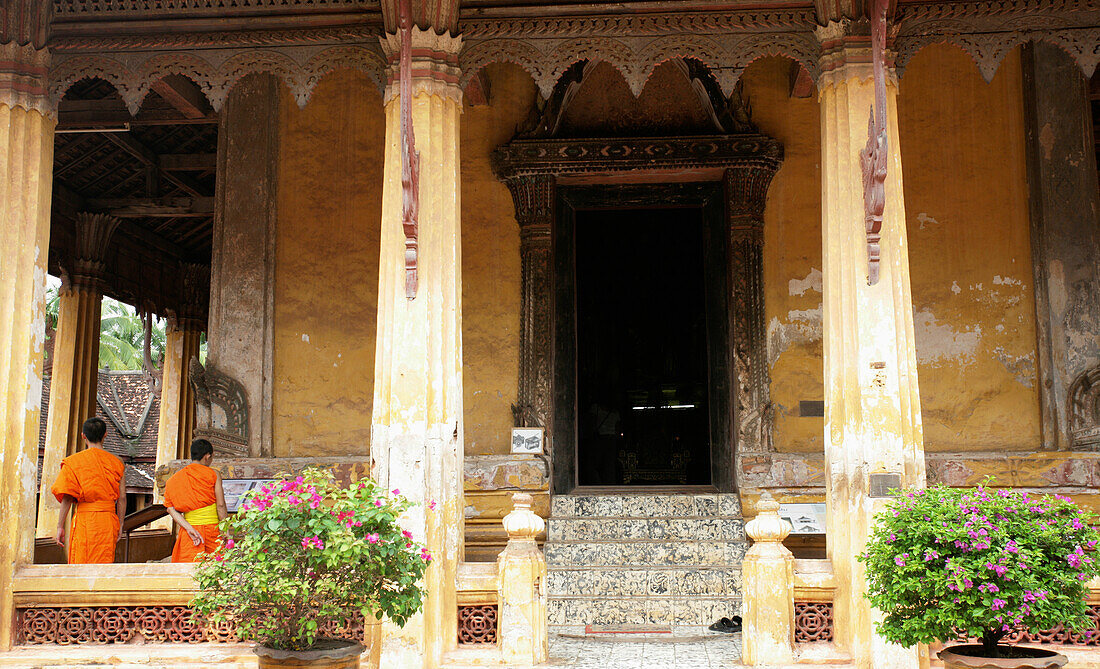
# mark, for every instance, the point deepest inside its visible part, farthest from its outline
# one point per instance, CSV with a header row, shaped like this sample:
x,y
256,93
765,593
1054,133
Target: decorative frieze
x,y
215,71
23,78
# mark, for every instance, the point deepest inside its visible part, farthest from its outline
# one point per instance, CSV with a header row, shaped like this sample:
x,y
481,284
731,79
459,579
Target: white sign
x,y
235,490
804,518
527,440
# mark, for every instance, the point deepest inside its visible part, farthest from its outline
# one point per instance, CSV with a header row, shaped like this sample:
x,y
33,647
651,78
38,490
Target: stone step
x,y
641,611
644,505
644,581
610,529
642,553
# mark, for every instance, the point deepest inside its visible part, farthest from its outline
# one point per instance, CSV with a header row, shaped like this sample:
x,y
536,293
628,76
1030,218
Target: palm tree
x,y
121,332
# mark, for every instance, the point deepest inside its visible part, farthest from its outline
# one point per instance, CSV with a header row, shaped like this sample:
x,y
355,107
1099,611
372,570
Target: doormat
x,y
628,629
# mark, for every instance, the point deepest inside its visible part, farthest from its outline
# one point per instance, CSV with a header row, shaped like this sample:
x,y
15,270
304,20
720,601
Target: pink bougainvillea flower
x,y
378,502
372,538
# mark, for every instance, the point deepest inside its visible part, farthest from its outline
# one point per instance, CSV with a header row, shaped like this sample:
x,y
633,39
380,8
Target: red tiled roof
x,y
123,398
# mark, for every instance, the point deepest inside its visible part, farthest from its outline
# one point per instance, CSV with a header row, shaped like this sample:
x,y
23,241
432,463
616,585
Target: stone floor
x,y
690,647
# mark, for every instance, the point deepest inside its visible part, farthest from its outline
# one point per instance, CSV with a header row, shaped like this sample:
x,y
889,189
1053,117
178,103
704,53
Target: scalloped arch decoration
x,y
215,72
635,58
71,70
198,70
474,58
988,51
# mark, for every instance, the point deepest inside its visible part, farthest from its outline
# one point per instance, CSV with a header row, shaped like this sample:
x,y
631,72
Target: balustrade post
x,y
768,576
521,571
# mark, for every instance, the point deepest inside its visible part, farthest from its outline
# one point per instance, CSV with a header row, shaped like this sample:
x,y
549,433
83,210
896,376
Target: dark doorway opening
x,y
642,352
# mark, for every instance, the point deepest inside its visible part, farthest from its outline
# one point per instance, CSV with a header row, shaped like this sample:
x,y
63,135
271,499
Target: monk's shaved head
x,y
94,429
200,448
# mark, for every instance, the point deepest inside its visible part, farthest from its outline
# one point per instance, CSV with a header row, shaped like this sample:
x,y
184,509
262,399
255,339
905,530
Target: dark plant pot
x,y
969,656
325,654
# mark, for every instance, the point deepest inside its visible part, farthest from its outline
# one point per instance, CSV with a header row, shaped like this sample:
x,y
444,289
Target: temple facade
x,y
652,287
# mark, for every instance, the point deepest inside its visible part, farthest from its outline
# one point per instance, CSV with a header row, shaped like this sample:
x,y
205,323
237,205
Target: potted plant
x,y
308,555
945,563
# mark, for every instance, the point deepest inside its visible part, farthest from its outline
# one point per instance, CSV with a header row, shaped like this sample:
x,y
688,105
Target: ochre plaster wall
x,y
962,144
970,259
792,253
326,279
490,265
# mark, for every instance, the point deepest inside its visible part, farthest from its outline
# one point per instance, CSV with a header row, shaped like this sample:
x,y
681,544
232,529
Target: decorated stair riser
x,y
644,559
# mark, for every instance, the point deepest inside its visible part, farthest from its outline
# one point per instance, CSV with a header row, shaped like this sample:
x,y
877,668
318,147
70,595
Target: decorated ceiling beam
x,y
547,46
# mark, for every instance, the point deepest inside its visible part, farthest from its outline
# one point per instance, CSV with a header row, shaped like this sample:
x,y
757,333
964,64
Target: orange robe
x,y
91,477
189,489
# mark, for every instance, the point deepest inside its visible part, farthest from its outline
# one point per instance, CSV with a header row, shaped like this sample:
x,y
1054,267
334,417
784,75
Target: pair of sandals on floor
x,y
728,625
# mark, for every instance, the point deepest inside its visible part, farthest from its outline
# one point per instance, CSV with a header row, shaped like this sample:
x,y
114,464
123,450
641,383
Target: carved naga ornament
x,y
410,158
872,158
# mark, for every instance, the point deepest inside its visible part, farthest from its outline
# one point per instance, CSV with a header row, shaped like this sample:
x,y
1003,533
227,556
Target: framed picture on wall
x,y
527,440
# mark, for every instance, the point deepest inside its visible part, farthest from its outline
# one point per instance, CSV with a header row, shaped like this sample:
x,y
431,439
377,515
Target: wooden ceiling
x,y
155,171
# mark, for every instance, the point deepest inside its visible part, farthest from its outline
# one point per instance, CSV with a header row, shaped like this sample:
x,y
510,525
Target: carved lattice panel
x,y
477,624
813,621
143,624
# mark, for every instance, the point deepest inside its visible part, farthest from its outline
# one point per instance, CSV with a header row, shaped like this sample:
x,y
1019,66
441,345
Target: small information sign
x,y
236,489
804,518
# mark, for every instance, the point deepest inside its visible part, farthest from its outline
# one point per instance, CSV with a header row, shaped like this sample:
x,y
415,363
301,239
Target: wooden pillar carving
x,y
746,191
533,196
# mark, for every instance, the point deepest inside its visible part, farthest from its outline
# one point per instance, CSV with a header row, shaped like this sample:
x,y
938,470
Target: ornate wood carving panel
x,y
813,621
68,625
477,625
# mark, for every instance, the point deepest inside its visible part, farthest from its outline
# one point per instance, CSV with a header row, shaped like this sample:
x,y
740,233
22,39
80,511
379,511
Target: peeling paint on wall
x,y
939,342
811,282
803,326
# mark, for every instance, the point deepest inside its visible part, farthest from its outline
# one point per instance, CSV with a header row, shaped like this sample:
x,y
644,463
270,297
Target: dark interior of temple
x,y
641,348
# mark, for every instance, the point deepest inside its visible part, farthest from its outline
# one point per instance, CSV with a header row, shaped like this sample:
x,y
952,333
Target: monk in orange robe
x,y
196,502
92,480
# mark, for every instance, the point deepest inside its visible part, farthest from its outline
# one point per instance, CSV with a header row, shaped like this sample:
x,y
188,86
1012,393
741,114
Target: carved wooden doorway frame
x,y
738,167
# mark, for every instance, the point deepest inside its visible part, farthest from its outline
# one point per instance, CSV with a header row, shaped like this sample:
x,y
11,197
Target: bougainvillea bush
x,y
945,562
306,552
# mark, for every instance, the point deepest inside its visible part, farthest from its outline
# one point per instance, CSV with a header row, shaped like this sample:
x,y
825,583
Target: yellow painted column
x,y
72,390
873,437
26,168
416,431
74,379
177,397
